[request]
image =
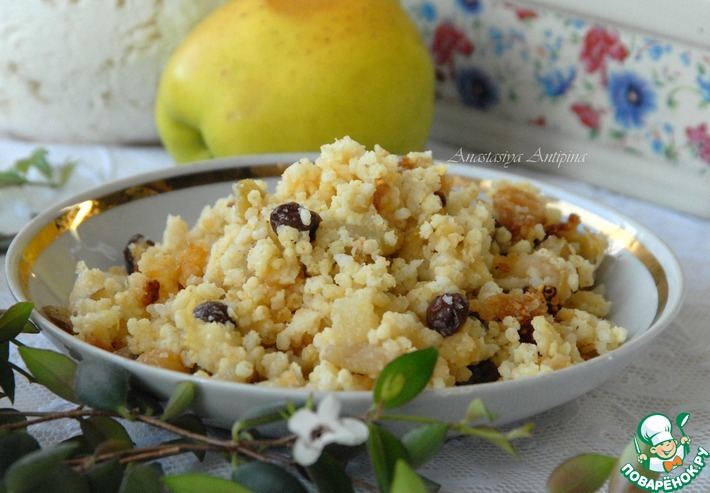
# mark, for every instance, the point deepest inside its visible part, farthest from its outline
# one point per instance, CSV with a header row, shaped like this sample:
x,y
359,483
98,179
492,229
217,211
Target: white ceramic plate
x,y
642,276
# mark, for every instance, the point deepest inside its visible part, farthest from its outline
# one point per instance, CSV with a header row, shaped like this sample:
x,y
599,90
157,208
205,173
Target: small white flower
x,y
316,430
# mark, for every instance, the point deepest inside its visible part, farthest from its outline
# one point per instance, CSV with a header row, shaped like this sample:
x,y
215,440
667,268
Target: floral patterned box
x,y
580,92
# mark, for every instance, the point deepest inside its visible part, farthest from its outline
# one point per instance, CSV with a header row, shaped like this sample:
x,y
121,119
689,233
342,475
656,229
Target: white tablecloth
x,y
672,377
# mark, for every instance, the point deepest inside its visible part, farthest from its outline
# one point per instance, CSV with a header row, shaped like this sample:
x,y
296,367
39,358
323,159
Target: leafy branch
x,y
51,176
316,450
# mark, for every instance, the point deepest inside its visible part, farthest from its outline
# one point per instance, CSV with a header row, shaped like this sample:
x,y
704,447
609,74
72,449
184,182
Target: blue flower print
x,y
704,86
428,11
502,41
657,50
556,82
472,6
578,24
476,89
685,58
631,97
498,39
657,146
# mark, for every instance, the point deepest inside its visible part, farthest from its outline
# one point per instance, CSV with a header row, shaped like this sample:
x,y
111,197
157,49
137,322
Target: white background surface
x,y
672,377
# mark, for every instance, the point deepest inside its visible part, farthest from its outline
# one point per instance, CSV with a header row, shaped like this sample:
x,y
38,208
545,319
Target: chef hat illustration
x,y
655,429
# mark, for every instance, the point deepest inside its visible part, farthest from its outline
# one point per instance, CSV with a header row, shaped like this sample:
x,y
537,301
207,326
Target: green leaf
x,y
142,477
345,453
101,385
18,174
143,403
477,410
107,433
145,478
406,480
9,415
7,376
619,482
51,369
264,477
65,174
192,483
273,413
23,165
14,320
385,450
29,472
60,479
524,431
617,134
80,444
106,477
492,435
585,473
329,476
14,446
404,378
180,400
11,179
193,424
424,442
38,159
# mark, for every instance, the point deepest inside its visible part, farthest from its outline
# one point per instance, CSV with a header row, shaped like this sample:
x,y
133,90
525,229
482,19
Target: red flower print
x,y
600,44
587,115
540,121
524,14
700,140
448,40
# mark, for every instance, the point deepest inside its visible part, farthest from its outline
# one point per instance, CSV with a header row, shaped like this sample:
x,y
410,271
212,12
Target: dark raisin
x,y
447,313
289,214
526,333
549,292
441,196
212,311
553,302
151,292
135,247
485,371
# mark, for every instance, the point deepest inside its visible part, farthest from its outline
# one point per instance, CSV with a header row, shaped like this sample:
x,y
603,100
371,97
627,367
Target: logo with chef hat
x,y
665,453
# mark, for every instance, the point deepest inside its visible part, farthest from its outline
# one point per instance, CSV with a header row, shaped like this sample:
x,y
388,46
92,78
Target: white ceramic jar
x,y
87,70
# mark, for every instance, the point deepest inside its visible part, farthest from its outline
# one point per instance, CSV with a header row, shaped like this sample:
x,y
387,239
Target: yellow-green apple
x,y
261,76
